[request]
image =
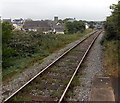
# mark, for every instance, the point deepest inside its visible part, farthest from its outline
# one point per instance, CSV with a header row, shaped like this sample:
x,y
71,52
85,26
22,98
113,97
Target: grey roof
x,y
18,21
36,24
58,28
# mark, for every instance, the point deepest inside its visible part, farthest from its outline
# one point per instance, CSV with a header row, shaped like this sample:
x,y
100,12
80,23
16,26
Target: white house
x,y
86,25
58,29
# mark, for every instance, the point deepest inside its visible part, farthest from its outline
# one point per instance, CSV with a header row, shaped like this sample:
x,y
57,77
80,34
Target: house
x,y
18,23
58,29
43,26
86,25
70,19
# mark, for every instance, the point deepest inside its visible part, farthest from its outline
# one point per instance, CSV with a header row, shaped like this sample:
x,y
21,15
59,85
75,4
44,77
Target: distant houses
x,y
45,26
37,26
71,19
55,26
18,23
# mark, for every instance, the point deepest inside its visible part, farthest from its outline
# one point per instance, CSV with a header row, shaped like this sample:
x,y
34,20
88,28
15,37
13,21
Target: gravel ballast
x,y
92,67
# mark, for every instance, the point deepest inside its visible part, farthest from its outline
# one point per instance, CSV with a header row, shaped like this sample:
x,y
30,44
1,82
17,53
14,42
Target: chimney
x,y
56,19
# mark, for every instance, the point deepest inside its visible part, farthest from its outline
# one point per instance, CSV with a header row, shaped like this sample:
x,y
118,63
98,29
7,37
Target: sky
x,y
90,10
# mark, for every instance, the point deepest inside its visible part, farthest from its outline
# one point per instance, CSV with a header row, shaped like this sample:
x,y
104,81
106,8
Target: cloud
x,y
42,9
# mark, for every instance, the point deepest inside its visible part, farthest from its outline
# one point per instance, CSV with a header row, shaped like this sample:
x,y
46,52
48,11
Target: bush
x,y
74,27
112,25
7,52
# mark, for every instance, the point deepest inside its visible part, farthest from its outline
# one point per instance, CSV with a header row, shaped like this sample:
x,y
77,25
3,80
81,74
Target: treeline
x,y
112,24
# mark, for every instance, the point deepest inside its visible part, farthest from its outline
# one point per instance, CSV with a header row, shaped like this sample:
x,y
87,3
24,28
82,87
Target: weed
x,y
53,71
51,81
83,65
65,81
44,77
69,72
40,87
27,89
70,93
56,94
76,82
81,73
37,80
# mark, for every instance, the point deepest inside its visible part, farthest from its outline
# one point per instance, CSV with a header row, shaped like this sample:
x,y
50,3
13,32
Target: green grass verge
x,y
111,58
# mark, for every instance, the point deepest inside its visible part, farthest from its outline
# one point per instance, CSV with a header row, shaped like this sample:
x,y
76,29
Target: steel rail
x,y
85,54
48,67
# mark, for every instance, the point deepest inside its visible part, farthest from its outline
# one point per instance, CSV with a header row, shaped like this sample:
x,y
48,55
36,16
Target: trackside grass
x,y
111,58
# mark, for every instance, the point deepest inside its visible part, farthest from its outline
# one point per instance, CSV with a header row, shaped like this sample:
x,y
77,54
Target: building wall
x,y
59,32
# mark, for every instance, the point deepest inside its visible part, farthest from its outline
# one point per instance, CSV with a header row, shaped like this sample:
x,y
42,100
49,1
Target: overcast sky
x,y
46,9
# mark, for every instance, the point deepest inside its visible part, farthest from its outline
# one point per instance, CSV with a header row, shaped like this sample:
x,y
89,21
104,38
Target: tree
x,y
74,27
91,26
112,25
6,32
7,52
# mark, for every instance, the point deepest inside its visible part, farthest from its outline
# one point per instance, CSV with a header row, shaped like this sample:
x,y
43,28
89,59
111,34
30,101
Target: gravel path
x,y
17,82
93,67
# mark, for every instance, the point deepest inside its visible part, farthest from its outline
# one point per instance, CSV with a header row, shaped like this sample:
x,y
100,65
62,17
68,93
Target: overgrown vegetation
x,y
111,42
22,50
111,59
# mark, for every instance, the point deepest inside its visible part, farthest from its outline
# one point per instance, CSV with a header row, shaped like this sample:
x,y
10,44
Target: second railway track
x,y
52,84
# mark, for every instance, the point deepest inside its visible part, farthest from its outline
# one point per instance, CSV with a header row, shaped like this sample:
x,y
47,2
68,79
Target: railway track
x,y
52,83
